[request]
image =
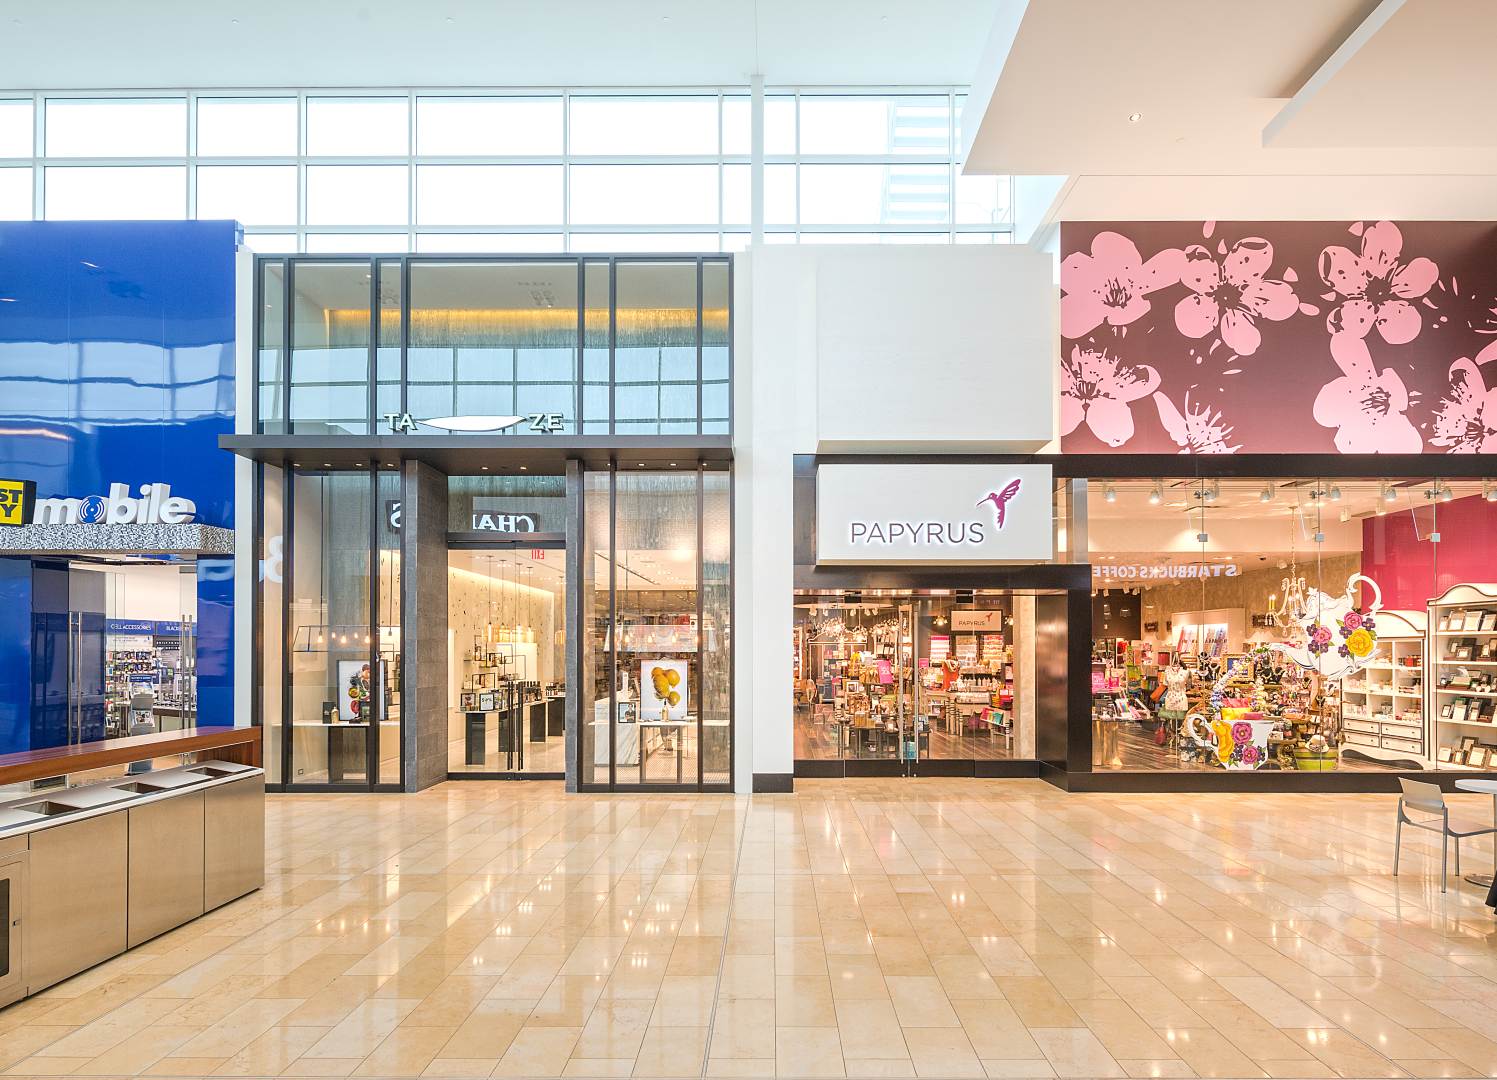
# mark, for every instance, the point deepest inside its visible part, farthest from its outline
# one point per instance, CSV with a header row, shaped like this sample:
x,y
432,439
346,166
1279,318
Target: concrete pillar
x,y
423,606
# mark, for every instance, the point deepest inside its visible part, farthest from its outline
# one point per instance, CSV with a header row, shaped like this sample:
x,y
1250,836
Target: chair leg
x,y
1397,843
1457,856
1444,859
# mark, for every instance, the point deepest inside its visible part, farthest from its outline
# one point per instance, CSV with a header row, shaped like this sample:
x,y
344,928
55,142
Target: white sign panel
x,y
936,513
977,621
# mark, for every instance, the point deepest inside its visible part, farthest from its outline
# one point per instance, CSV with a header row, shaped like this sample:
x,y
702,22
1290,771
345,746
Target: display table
x,y
628,743
672,731
1483,787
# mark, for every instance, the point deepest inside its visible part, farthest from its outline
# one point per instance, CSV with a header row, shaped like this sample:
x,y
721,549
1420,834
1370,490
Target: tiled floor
x,y
939,928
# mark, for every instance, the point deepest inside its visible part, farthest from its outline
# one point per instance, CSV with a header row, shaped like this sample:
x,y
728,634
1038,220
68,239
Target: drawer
x,y
1357,738
1408,746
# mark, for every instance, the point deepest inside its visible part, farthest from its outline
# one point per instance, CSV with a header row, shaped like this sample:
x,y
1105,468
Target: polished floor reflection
x,y
937,928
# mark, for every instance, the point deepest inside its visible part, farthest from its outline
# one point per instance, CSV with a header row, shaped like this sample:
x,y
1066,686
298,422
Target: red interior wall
x,y
1398,555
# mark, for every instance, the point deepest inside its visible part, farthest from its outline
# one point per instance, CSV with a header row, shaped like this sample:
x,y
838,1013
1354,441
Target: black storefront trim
x,y
468,455
774,783
506,776
1274,781
1206,466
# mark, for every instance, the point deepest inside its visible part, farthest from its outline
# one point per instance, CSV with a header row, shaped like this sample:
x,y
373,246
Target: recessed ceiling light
x,y
485,468
641,464
327,464
524,468
1134,118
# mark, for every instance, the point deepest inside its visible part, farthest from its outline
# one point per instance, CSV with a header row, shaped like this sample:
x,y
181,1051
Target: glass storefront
x,y
1304,624
657,630
915,676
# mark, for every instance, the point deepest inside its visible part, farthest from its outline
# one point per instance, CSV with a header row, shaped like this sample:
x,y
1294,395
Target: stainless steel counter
x,y
94,870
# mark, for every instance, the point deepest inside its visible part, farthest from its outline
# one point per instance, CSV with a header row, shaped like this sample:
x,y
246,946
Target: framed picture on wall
x,y
1479,756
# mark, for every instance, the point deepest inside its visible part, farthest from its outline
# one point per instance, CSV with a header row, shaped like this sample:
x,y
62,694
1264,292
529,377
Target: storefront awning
x,y
137,539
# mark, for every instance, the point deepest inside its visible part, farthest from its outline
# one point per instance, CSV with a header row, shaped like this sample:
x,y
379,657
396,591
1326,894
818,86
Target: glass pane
x,y
388,681
644,194
16,132
15,194
660,688
597,374
655,355
330,349
387,350
144,193
246,127
716,345
346,127
271,243
331,677
272,626
488,194
116,127
488,126
630,243
357,195
489,243
717,628
868,125
779,194
874,194
494,341
249,194
357,243
272,402
643,126
982,200
779,126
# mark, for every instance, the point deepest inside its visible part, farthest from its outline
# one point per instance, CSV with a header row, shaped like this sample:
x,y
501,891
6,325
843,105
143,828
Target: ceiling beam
x,y
1376,19
984,82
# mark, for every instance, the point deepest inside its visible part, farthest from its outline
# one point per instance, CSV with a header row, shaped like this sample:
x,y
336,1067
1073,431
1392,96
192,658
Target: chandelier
x,y
1295,605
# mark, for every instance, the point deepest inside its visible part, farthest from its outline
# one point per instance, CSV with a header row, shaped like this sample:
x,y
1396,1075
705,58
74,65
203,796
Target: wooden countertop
x,y
82,757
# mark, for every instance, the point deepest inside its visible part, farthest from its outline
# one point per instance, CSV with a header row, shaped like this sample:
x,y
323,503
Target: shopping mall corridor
x,y
936,928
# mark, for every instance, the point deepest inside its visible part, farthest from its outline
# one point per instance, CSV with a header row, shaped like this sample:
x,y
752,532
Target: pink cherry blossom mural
x,y
1219,337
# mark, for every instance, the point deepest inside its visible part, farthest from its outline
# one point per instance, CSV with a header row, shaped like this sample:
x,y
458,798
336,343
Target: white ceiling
x,y
350,43
1269,109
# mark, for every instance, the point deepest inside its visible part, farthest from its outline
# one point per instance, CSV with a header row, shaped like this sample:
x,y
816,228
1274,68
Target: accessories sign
x,y
958,513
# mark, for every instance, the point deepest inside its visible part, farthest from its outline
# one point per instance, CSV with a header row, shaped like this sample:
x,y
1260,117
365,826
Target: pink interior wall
x,y
1411,570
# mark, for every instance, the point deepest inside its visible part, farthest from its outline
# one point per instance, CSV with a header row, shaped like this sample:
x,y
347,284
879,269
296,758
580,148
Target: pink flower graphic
x,y
1375,288
1466,419
1229,296
1352,621
1110,284
1097,387
1242,732
1250,755
1364,405
1199,431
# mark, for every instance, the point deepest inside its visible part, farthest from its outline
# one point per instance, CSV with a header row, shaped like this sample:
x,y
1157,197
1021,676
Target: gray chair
x,y
1430,800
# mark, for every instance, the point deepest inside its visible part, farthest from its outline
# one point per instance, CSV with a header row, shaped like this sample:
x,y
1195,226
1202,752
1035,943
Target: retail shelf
x,y
1466,663
1470,723
1457,692
1466,633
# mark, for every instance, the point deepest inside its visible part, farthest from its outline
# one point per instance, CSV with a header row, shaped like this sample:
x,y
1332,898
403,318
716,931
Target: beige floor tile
x,y
685,1001
808,1051
538,1051
868,1068
743,1029
920,1002
942,1052
1019,1068
592,1067
671,1052
804,1001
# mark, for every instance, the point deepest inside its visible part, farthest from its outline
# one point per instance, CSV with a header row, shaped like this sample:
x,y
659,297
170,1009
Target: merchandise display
x,y
1463,660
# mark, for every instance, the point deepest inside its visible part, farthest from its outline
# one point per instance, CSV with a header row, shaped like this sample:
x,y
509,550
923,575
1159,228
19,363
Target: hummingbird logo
x,y
1000,500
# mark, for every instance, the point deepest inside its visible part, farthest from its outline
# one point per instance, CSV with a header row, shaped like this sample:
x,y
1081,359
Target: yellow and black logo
x,y
17,501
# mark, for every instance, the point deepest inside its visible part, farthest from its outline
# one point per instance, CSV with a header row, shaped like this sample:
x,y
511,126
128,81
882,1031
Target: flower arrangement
x,y
1357,630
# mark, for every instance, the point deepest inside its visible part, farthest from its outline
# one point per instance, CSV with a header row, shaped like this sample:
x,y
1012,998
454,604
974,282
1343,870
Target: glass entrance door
x,y
507,689
919,683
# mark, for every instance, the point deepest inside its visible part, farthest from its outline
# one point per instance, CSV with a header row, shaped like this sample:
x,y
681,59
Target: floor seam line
x,y
722,958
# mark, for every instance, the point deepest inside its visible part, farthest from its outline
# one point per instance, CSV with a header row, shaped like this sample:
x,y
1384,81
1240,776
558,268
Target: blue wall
x,y
117,366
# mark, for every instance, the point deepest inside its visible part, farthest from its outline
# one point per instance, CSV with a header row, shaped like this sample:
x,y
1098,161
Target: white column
x,y
756,165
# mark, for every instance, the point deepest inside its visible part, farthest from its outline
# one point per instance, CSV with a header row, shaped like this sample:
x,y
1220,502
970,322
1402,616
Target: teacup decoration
x,y
1336,637
1239,745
